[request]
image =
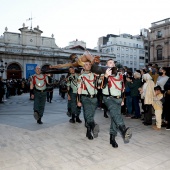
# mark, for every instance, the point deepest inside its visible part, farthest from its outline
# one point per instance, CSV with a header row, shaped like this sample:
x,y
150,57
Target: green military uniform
x,y
87,83
39,83
69,108
72,91
112,89
50,89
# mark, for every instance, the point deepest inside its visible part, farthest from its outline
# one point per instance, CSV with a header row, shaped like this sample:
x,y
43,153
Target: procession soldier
x,y
88,99
38,93
112,96
72,96
50,88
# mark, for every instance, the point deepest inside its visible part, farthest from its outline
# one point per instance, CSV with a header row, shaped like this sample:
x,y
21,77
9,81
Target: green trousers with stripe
x,y
89,107
39,102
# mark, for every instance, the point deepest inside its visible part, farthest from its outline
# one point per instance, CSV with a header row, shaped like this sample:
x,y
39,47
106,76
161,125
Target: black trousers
x,y
148,114
49,96
143,106
166,109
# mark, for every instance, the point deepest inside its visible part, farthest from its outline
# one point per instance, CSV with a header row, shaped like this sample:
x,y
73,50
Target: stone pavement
x,y
60,145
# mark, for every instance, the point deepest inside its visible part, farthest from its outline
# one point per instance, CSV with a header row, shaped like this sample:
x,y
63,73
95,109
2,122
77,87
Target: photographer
x,y
72,95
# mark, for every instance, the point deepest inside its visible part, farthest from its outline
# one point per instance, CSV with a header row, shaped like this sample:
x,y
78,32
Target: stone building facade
x,y
129,50
159,38
22,51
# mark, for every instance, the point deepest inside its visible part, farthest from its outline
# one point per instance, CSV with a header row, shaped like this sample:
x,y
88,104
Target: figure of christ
x,y
78,62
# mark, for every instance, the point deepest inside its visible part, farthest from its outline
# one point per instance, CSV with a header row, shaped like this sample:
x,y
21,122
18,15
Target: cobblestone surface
x,y
60,145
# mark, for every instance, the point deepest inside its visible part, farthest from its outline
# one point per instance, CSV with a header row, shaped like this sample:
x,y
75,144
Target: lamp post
x,y
2,67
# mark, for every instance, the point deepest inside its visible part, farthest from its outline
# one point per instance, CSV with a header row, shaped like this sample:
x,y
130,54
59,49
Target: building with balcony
x,y
159,40
129,50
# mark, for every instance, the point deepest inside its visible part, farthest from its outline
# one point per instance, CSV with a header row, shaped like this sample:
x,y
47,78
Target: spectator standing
x,y
154,73
148,92
128,97
157,104
162,79
134,85
2,90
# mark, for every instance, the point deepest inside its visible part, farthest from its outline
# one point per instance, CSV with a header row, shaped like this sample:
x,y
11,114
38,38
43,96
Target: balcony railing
x,y
160,22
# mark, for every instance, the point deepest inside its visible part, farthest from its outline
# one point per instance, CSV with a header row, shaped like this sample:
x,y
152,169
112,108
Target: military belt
x,y
116,97
90,96
40,90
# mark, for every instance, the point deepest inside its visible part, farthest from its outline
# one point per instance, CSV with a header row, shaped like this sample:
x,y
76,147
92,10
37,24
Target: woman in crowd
x,y
163,78
161,81
147,91
143,71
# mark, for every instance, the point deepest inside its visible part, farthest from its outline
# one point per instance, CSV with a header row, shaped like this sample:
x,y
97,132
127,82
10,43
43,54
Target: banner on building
x,y
30,70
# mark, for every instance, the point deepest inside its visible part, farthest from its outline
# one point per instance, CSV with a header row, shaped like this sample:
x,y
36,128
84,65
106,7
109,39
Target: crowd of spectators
x,y
13,87
147,95
150,87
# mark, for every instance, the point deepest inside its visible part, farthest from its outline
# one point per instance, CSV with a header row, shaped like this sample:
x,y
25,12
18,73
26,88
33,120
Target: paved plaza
x,y
60,145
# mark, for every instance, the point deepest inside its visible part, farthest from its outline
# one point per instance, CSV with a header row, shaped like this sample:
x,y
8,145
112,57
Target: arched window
x,y
159,52
14,66
14,71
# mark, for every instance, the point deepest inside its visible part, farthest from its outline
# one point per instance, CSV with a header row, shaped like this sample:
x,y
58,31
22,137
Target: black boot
x,y
36,115
39,121
68,112
105,114
78,119
72,120
113,141
111,138
89,133
126,133
95,129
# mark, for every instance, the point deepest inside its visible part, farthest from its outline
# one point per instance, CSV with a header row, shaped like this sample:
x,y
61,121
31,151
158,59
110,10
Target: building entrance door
x,y
14,71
